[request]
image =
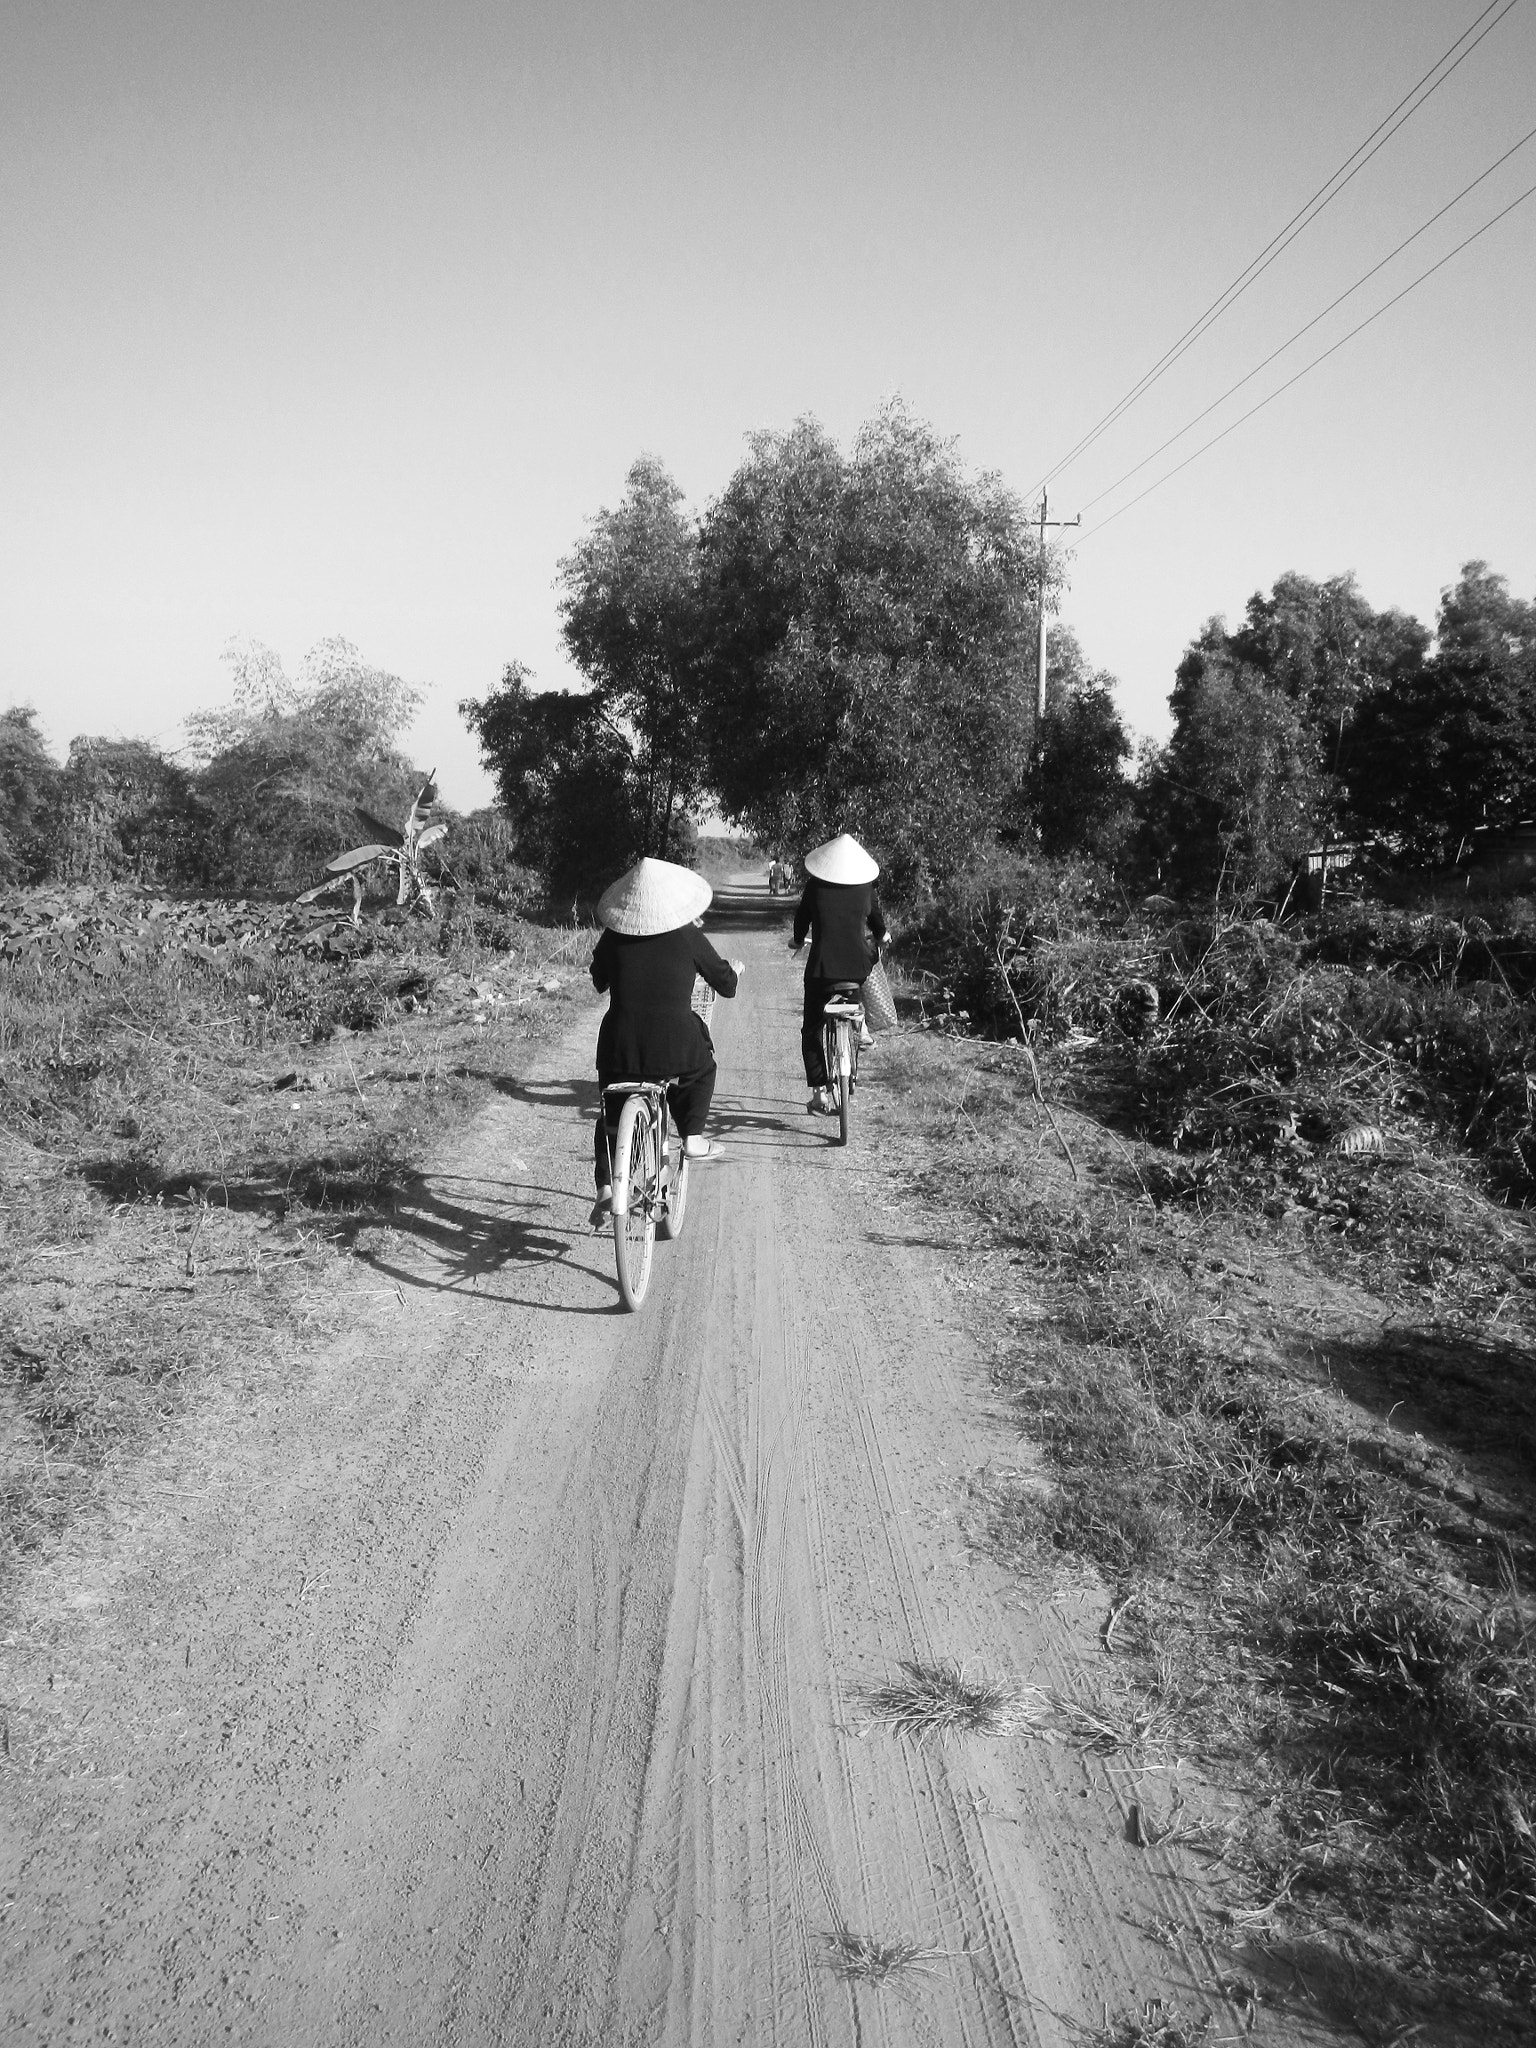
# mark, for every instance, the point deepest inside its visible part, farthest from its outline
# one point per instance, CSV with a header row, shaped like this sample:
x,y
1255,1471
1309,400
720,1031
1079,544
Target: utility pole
x,y
1040,672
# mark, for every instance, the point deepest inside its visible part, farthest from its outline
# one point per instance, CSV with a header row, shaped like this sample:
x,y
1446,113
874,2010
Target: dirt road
x,y
501,1679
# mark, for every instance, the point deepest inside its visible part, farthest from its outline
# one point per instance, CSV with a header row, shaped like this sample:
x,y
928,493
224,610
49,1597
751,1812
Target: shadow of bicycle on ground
x,y
451,1234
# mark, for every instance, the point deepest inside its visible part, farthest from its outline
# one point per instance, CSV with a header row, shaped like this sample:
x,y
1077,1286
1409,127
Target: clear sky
x,y
341,316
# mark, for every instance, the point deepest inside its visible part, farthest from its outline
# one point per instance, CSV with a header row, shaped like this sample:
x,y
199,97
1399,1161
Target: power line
x,y
1299,222
1422,278
1296,226
1332,306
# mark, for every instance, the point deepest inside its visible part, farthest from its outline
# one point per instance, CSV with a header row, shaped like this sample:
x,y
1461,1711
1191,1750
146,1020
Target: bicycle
x,y
650,1171
650,1182
842,1027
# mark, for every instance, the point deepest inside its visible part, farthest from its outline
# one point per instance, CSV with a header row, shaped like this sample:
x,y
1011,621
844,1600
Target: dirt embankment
x,y
506,1673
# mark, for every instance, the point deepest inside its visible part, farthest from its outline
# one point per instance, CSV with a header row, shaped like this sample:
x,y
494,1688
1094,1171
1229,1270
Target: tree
x,y
1452,740
630,617
868,649
565,776
1319,644
283,768
1241,783
124,812
1265,720
28,790
1074,797
337,692
279,802
362,707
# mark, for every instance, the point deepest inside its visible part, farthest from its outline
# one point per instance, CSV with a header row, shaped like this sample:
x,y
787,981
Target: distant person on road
x,y
645,963
840,911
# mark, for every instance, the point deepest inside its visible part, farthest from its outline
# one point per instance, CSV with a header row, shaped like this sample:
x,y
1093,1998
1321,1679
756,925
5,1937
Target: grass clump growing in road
x,y
932,1702
1159,2024
866,1959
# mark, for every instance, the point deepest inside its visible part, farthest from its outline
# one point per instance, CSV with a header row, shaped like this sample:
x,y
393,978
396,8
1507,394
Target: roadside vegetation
x,y
205,1110
1264,1291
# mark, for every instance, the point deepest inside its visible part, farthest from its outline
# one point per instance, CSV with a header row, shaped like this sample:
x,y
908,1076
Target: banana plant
x,y
401,848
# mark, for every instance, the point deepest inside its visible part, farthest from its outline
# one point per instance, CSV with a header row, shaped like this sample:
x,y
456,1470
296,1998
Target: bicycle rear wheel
x,y
637,1187
844,1081
675,1202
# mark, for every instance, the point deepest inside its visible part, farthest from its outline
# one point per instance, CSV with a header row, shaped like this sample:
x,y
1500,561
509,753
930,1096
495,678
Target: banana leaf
x,y
389,835
359,857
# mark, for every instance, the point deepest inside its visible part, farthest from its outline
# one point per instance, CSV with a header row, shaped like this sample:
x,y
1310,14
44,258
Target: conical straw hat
x,y
654,896
841,860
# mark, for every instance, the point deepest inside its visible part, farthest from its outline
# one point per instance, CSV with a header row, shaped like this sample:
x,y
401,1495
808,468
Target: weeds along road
x,y
502,1679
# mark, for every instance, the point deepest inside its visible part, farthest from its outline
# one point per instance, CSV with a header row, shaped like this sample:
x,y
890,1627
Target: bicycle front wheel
x,y
637,1187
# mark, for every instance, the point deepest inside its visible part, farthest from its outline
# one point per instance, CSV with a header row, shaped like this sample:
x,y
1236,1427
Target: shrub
x,y
1019,933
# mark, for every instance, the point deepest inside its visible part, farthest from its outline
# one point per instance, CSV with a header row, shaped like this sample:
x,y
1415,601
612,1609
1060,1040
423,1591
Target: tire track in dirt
x,y
912,1892
769,1474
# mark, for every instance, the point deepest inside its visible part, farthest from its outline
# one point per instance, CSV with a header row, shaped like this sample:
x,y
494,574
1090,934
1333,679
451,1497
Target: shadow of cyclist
x,y
453,1244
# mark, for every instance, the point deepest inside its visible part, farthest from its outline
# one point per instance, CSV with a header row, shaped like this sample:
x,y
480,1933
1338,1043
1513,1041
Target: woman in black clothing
x,y
645,963
841,912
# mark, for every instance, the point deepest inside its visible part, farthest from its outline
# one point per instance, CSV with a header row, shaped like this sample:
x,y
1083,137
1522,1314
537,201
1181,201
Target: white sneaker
x,y
822,1103
702,1148
601,1213
866,1038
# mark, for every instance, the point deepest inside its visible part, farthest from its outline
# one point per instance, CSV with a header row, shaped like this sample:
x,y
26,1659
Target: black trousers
x,y
817,992
688,1100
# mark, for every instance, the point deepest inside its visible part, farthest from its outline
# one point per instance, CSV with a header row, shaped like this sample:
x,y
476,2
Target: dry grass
x,y
1159,2024
1327,1604
865,1959
933,1702
1140,1728
188,1153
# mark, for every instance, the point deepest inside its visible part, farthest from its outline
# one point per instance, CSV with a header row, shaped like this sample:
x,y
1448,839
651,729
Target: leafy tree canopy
x,y
281,801
565,776
1075,798
337,694
1451,742
284,765
630,616
28,780
868,644
1264,722
1240,790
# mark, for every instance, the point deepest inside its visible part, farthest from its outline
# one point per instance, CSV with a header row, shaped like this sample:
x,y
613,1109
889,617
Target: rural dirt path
x,y
498,1681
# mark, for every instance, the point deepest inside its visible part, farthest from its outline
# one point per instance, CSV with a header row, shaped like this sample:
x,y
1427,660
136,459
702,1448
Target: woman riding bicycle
x,y
645,962
840,911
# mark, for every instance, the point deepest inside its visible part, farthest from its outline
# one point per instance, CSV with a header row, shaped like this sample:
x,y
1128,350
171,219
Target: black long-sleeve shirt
x,y
846,925
651,1031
